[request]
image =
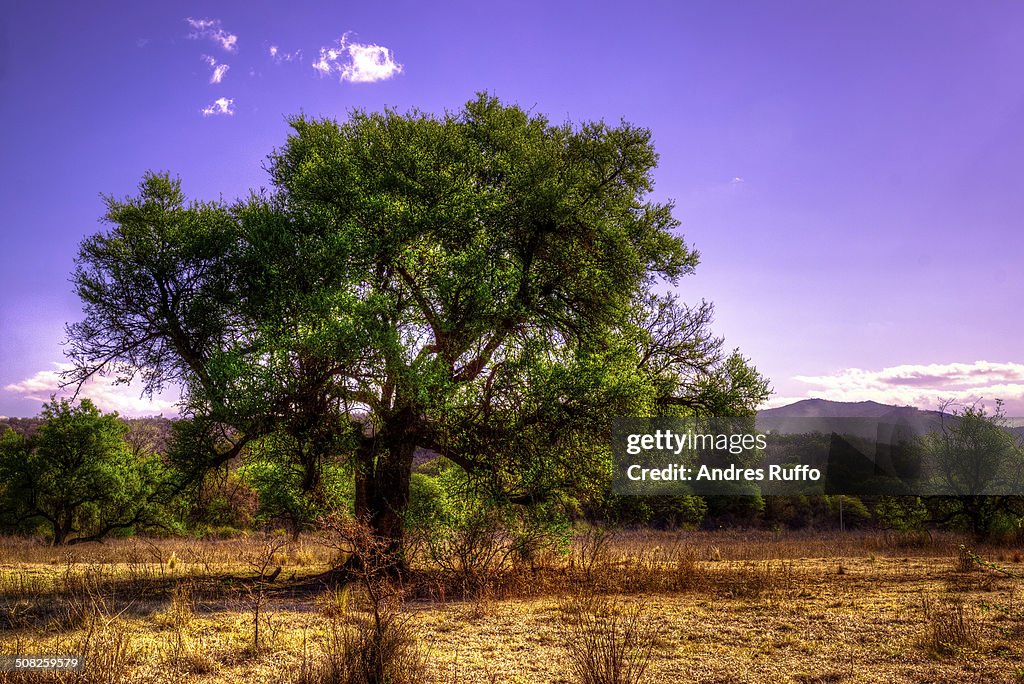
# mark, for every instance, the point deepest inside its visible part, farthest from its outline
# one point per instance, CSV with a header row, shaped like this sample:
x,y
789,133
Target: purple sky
x,y
852,173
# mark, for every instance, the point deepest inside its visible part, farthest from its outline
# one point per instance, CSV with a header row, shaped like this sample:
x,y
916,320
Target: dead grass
x,y
727,607
950,626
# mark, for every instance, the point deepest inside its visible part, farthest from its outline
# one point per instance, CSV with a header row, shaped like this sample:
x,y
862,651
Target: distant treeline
x,y
75,474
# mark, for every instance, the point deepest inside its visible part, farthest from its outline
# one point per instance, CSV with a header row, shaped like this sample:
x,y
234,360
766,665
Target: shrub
x,y
678,511
464,534
379,647
222,501
369,652
607,642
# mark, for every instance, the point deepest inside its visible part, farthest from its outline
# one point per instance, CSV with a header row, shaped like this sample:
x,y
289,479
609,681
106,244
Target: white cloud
x,y
357,62
279,55
220,106
370,63
218,69
924,385
127,400
218,73
328,61
211,29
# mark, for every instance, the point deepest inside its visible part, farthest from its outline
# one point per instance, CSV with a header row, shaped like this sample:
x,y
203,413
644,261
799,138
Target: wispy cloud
x,y
218,69
211,29
923,385
221,106
127,400
279,55
218,73
357,62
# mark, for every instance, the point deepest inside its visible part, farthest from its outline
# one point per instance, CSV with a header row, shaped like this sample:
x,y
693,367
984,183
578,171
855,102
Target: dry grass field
x,y
687,607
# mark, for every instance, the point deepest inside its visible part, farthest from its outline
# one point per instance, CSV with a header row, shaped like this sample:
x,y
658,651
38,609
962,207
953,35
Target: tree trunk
x,y
388,500
383,470
363,479
61,528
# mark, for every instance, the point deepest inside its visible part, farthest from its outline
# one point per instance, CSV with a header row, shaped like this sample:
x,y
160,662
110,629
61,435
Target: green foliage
x,y
285,498
801,512
429,503
669,512
221,500
855,511
740,511
678,511
1006,525
901,513
616,510
162,263
77,476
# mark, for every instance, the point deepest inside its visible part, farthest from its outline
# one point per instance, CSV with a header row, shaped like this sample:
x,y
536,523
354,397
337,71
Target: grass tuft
x,y
950,626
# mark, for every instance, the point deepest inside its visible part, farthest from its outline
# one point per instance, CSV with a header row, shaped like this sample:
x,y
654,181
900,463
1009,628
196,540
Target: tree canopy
x,y
483,284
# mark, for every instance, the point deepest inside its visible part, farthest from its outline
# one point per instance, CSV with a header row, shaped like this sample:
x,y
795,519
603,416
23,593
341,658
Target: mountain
x,y
860,417
809,415
822,408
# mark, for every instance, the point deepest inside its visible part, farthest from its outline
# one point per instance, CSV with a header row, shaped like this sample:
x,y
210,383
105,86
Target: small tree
x,y
77,476
975,463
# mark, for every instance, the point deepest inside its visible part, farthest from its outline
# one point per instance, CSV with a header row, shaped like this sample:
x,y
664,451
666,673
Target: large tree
x,y
481,284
